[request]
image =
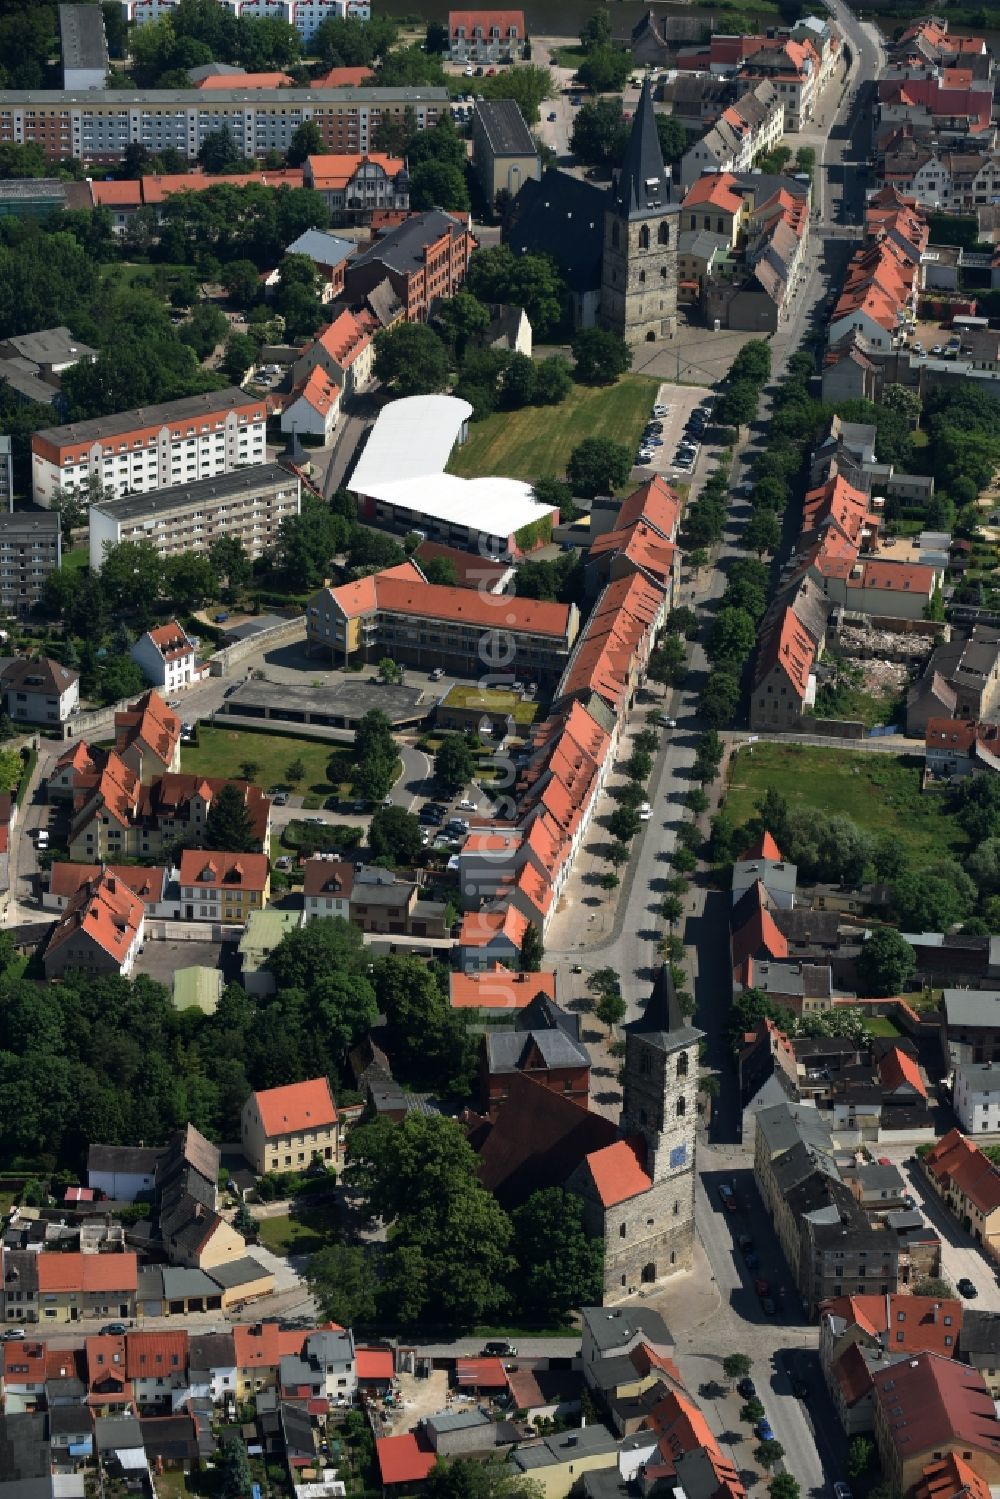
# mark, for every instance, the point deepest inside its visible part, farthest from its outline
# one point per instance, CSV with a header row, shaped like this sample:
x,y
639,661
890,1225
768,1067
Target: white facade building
x,y
977,1097
166,657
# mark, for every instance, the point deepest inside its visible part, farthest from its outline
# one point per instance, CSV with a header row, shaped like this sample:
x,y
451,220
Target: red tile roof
x,y
759,936
246,80
763,847
480,928
344,339
954,1159
334,877
332,173
296,1107
897,1068
318,391
403,1459
155,1354
150,724
106,1359
374,1363
107,912
929,1403
715,190
618,1171
391,593
503,20
257,1345
907,1324
498,989
87,1272
480,1374
149,884
950,1477
211,870
343,78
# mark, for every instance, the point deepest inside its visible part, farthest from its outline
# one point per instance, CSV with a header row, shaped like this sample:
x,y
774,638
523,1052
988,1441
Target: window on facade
x,y
644,237
663,234
681,1107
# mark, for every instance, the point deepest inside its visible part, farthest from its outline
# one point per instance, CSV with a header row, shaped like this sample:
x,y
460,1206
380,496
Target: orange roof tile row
x,y
296,1107
344,339
107,912
911,1324
87,1272
956,1161
149,724
498,989
318,391
210,870
333,173
149,884
156,189
397,590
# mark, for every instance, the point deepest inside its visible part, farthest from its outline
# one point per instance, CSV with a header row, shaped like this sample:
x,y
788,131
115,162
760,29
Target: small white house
x,y
166,657
313,409
977,1097
326,886
212,1366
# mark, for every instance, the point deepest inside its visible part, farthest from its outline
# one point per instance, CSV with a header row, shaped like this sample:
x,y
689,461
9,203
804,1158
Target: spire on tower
x,y
642,187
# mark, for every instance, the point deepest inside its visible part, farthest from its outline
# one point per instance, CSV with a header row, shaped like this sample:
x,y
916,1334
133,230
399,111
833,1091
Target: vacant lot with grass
x,y
303,1231
538,440
224,752
880,792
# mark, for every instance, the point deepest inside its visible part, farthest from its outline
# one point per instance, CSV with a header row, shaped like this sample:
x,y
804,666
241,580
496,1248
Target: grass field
x,y
881,1025
302,1232
221,752
77,560
880,792
538,440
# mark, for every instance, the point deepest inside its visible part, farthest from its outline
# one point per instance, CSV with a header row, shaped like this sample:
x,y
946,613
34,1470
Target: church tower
x,y
660,1109
641,227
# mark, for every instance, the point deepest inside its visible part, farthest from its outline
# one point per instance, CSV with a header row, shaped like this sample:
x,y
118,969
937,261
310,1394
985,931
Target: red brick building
x,y
425,261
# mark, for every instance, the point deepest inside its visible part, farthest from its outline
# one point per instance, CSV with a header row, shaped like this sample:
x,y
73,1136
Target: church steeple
x,y
642,188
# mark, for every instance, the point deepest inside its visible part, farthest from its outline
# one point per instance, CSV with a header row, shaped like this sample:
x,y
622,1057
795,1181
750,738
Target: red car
x,y
728,1197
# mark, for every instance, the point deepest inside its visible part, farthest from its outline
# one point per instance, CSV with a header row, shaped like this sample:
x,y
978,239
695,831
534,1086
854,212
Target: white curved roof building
x,y
399,480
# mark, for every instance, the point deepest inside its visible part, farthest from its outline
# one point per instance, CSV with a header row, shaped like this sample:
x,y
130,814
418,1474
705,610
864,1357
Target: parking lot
x,y
681,401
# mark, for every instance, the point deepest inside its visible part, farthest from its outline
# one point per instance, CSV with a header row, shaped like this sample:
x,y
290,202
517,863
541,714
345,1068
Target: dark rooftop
x,y
504,127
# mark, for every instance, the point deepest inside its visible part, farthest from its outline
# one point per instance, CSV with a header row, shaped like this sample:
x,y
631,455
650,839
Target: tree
x,y
73,505
929,902
390,671
395,833
438,184
468,1478
553,381
341,1279
610,1009
131,575
600,356
668,663
240,354
598,465
241,278
245,1223
600,133
559,1264
454,763
605,70
307,542
440,570
228,826
672,909
762,533
907,402
860,1456
411,360
235,1479
784,1486
596,32
533,282
673,137
188,579
624,824
306,141
737,404
887,962
609,881
767,1454
532,950
460,319
436,37
752,1412
219,152
376,760
935,1287
229,560
737,1365
718,699
732,638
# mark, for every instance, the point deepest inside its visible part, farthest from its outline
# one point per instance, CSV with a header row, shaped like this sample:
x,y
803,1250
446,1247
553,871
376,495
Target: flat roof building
x,y
84,47
151,447
30,549
399,480
249,504
98,125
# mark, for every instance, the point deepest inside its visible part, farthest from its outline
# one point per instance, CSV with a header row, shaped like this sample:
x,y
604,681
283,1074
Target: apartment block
x,y
132,452
305,15
6,475
249,505
84,46
397,613
486,35
30,549
98,125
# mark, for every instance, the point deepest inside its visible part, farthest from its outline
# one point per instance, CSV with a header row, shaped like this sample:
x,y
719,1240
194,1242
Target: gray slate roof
x,y
324,249
504,127
642,189
506,1051
403,249
973,1007
616,1327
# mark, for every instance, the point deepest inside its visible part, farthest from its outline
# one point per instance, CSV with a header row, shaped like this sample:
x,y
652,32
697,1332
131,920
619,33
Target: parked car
x,y
967,1288
747,1388
670,723
112,1330
645,812
761,1286
220,619
552,115
499,1348
763,1430
799,1387
842,1491
465,805
727,1197
437,673
41,839
11,1334
280,798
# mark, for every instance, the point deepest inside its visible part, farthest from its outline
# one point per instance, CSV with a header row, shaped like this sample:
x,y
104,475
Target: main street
x,y
808,1431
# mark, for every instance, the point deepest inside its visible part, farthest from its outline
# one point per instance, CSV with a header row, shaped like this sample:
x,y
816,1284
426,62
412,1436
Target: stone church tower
x,y
638,1194
641,228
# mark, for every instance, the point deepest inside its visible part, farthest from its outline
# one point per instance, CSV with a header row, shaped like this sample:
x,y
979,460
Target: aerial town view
x,y
499,750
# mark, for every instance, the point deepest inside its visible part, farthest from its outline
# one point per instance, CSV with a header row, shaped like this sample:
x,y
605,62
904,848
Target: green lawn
x,y
880,792
881,1025
77,560
304,1231
221,752
538,440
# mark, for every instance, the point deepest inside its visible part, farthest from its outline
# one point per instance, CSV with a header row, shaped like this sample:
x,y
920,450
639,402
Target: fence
x,y
191,931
